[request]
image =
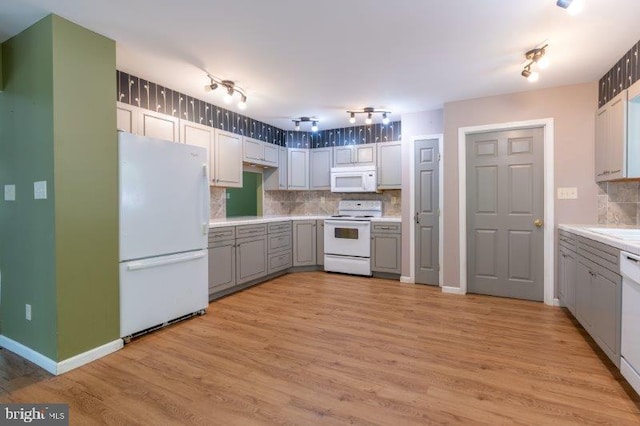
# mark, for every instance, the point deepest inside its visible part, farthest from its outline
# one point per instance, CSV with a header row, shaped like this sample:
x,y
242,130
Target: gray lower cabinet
x,y
304,243
598,291
386,247
222,255
251,252
320,242
567,270
279,247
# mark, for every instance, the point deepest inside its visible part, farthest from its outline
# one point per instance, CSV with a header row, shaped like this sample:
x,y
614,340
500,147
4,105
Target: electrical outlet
x,y
394,200
9,192
27,312
228,196
322,200
40,190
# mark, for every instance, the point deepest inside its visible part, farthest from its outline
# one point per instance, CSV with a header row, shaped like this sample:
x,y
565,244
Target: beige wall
x,y
571,107
415,124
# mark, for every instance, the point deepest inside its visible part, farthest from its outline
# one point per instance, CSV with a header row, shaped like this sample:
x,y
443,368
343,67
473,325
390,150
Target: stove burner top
x,y
364,215
340,215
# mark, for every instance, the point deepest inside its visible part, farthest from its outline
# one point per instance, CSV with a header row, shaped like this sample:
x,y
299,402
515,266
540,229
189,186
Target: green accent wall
x,y
86,188
57,123
27,247
244,201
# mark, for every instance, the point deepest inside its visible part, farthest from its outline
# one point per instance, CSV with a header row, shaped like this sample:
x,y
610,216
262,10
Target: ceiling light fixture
x,y
535,56
231,88
573,6
312,120
369,111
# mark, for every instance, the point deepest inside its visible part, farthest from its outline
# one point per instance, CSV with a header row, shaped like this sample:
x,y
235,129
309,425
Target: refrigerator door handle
x,y
205,201
152,263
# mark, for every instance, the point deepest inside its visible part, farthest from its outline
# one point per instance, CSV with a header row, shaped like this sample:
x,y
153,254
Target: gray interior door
x,y
504,213
427,210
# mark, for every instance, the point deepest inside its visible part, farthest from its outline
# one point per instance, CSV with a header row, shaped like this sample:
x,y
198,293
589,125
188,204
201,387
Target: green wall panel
x,y
27,255
244,201
86,188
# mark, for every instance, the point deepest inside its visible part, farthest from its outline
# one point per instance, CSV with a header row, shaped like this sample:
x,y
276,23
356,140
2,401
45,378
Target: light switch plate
x,y
40,190
567,193
9,192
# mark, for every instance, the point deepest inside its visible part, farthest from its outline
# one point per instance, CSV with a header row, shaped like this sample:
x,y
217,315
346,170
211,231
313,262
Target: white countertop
x,y
254,220
583,230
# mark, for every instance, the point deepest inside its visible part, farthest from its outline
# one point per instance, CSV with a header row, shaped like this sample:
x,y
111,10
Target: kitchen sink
x,y
627,234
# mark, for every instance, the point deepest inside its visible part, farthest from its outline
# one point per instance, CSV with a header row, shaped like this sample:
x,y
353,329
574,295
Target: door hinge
x,y
439,157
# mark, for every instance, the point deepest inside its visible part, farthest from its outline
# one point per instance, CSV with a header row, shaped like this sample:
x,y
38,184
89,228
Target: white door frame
x,y
412,206
548,188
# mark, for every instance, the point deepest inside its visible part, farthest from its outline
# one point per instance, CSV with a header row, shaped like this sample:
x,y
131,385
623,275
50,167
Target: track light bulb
x,y
575,7
385,119
543,62
210,87
533,77
314,126
369,119
352,118
243,103
228,98
297,123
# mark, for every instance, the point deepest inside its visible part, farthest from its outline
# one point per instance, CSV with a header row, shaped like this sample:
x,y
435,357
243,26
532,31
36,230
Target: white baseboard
x,y
29,354
453,290
556,302
88,356
61,367
407,280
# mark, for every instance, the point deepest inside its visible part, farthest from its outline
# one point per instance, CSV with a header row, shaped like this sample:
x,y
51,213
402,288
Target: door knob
x,y
538,223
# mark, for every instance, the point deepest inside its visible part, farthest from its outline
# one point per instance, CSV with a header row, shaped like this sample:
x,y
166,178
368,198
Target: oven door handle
x,y
348,223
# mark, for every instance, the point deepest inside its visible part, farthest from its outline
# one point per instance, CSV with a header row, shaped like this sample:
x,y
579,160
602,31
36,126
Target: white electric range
x,y
347,237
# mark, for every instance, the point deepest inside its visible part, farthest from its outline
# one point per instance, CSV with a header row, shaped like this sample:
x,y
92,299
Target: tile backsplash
x,y
619,203
312,203
306,202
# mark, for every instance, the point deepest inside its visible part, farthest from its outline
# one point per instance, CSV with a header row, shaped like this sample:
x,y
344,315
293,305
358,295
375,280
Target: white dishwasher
x,y
630,333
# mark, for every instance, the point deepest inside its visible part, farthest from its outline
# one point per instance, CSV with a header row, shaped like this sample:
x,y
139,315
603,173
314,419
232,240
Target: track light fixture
x,y
369,111
573,6
231,89
534,56
312,120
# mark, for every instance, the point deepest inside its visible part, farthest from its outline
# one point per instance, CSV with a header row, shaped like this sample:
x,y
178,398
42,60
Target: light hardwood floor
x,y
317,348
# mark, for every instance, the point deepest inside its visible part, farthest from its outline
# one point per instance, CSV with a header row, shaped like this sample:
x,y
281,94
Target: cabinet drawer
x,y
279,227
567,240
222,234
279,242
251,230
386,227
280,261
601,254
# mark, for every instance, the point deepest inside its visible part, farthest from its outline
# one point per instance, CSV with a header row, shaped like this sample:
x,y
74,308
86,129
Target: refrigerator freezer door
x,y
164,197
160,289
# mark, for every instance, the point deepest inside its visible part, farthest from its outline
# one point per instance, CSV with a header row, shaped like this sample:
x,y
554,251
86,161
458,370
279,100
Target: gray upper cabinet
x,y
386,247
298,165
127,117
160,126
355,155
276,178
304,243
226,159
618,136
258,152
389,165
320,161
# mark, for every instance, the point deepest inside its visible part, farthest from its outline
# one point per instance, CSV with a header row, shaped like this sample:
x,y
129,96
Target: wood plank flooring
x,y
318,348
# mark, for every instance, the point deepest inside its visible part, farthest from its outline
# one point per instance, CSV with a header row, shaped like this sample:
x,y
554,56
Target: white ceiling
x,y
321,58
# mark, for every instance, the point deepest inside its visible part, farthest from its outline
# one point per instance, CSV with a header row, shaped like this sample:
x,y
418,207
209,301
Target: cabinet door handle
x,y
616,171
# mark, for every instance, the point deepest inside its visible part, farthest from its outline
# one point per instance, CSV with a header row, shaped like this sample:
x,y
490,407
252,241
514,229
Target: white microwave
x,y
353,179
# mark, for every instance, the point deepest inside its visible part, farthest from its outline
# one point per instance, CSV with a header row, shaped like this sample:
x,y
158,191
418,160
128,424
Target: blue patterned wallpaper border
x,y
145,94
622,75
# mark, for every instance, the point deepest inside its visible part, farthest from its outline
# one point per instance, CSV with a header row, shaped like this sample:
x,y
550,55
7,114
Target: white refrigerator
x,y
164,217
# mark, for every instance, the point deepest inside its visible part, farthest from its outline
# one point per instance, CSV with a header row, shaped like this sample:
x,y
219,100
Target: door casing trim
x,y
548,187
412,205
